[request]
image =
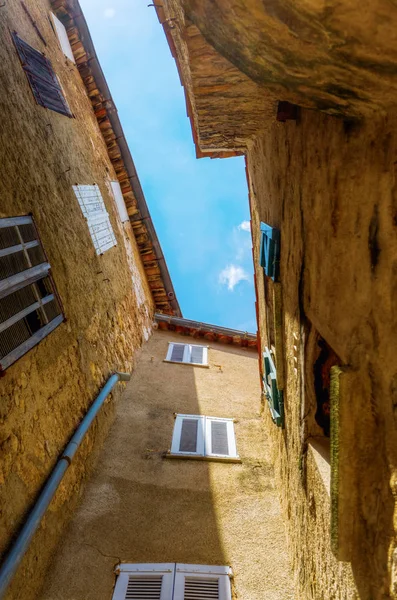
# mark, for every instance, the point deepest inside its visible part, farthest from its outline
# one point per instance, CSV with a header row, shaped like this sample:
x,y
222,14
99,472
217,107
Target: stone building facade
x,y
63,152
323,207
145,506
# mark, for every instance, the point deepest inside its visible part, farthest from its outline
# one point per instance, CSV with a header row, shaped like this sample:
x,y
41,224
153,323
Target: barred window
x,y
29,307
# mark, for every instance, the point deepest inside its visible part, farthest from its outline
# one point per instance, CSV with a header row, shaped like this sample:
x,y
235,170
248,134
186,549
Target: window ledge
x,y
228,459
319,449
189,364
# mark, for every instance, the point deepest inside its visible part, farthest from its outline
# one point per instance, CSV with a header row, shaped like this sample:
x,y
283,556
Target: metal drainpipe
x,y
19,548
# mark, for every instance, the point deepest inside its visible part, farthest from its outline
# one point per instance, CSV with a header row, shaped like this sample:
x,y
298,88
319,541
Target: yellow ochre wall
x,y
141,507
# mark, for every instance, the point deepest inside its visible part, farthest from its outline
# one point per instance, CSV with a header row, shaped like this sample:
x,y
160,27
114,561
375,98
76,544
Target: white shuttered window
x,y
196,435
93,208
191,354
172,581
63,38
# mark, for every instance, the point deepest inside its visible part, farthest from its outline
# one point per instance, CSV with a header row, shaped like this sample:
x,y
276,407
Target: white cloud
x,y
245,226
232,275
109,13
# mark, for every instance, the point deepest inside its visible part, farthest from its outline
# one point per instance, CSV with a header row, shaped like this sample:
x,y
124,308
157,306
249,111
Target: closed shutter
x,y
219,438
269,254
170,581
188,437
63,38
93,208
42,78
119,199
145,582
199,582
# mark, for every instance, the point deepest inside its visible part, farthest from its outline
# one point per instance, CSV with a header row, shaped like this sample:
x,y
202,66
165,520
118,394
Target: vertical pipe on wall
x,y
21,545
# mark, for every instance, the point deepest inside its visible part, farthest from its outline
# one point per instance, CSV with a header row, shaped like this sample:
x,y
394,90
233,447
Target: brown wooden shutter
x,y
42,78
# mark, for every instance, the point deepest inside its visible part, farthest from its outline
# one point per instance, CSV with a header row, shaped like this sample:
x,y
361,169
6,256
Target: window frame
x,y
23,279
47,78
203,442
187,352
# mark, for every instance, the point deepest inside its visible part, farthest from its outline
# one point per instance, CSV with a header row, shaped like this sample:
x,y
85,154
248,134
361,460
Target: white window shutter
x,y
149,581
93,208
193,582
219,438
119,199
63,38
188,437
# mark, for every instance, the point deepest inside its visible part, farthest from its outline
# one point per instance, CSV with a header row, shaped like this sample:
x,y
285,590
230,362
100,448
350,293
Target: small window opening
x,y
327,359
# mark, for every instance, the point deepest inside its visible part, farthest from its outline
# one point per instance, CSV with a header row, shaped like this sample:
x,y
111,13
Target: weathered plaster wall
x,y
45,394
141,507
337,56
330,189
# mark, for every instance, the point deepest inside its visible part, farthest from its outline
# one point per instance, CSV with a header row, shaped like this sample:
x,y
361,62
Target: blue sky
x,y
199,207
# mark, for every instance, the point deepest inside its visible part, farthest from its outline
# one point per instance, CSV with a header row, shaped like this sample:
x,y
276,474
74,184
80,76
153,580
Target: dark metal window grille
x,y
42,78
29,307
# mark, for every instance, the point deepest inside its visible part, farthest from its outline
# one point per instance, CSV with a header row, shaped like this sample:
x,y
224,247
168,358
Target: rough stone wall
x,y
340,57
45,394
330,188
214,86
141,507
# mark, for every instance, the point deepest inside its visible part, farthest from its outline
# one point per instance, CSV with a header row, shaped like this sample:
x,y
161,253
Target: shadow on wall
x,y
140,507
